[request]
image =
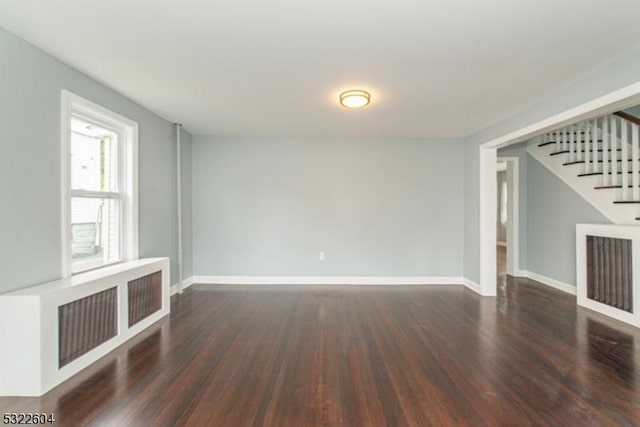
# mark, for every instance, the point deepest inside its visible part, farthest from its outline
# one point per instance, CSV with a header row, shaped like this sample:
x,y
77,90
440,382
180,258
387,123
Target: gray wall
x,y
30,235
634,111
611,77
501,229
382,207
554,211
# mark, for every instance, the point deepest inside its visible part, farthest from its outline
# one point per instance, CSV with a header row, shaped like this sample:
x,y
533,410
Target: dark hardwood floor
x,y
362,356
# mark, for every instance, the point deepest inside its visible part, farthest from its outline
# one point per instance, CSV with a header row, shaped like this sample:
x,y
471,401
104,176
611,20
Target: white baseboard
x,y
185,284
499,243
565,287
361,280
472,285
327,280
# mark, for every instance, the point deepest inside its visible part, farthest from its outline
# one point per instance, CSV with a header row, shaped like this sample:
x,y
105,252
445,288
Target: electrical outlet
x,y
321,256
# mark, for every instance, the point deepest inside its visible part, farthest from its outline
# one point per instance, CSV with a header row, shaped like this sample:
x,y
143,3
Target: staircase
x,y
600,160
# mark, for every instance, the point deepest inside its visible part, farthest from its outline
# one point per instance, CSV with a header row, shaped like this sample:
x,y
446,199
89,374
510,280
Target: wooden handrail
x,y
628,117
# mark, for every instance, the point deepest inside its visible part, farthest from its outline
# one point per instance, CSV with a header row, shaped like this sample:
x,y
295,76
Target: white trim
x,y
327,280
185,284
127,129
565,287
472,285
488,202
619,99
65,182
503,244
614,101
96,194
131,233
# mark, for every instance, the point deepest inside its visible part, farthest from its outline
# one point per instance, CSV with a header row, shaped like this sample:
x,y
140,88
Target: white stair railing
x,y
588,160
608,146
606,165
593,133
624,155
579,139
572,145
612,143
635,181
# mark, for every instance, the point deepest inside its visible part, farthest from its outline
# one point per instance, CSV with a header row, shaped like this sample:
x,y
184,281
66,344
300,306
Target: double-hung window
x,y
99,186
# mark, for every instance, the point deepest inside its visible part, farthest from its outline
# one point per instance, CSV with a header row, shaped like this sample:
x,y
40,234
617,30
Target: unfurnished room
x,y
337,213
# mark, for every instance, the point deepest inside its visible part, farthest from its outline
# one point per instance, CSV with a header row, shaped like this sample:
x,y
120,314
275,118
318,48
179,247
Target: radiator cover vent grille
x,y
145,297
86,323
609,272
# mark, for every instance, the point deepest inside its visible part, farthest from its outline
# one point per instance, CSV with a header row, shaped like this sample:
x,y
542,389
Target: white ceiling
x,y
435,68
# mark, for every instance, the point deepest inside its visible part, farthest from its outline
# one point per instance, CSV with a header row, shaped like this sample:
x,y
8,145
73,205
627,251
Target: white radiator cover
x,y
612,231
29,360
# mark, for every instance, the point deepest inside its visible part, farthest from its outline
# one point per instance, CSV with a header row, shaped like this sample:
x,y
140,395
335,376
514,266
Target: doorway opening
x,y
618,100
507,219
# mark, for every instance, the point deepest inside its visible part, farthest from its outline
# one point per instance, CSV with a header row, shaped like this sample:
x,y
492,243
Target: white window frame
x,y
127,131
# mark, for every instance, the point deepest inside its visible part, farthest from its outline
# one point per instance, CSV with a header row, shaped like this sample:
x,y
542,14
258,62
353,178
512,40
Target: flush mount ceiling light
x,y
355,98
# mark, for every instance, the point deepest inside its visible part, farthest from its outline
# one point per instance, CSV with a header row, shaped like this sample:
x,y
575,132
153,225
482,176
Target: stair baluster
x,y
597,167
579,147
635,182
557,139
572,153
578,138
587,151
624,153
611,141
606,166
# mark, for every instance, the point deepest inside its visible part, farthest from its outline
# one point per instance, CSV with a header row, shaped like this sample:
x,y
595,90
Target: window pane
x,y
95,232
93,157
503,204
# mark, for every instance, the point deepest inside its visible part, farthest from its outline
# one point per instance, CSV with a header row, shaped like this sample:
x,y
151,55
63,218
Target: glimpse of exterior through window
x,y
503,204
95,195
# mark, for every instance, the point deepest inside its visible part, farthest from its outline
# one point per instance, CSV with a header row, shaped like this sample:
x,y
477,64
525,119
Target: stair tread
x,y
602,161
546,143
602,187
600,173
600,150
560,142
590,174
555,153
626,201
594,161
